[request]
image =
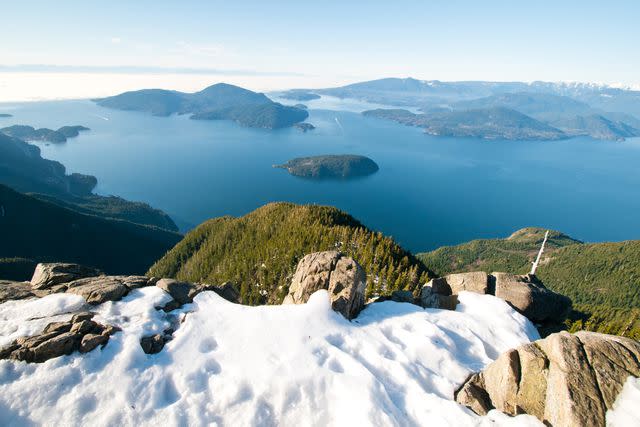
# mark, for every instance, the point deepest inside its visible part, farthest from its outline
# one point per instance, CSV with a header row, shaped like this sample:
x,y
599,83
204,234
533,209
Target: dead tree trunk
x,y
534,267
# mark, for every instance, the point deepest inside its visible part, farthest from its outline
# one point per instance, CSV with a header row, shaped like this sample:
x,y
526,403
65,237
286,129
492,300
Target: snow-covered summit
x,y
228,364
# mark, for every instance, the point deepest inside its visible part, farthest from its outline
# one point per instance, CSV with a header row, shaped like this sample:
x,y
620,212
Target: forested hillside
x,y
259,252
602,279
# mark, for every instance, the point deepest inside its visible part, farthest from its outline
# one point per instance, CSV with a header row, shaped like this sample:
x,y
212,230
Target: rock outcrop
x,y
47,275
530,297
563,380
526,294
96,287
342,276
60,338
184,292
14,290
81,333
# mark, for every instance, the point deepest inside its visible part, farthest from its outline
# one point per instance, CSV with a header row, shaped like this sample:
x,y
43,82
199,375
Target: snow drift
x,y
228,364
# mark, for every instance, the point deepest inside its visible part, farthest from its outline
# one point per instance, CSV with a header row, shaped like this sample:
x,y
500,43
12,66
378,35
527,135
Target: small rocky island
x,y
343,166
4,115
304,127
29,133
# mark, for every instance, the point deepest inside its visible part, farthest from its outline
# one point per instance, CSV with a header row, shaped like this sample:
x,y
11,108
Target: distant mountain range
x,y
218,102
570,109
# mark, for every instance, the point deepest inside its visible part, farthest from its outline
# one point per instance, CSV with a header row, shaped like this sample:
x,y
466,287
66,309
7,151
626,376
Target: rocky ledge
x,y
60,338
563,380
81,333
525,293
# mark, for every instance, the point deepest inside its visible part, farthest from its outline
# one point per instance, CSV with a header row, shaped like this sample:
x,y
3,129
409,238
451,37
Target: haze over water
x,y
429,192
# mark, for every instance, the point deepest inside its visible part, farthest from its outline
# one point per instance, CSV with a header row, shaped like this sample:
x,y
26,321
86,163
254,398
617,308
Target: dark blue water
x,y
429,191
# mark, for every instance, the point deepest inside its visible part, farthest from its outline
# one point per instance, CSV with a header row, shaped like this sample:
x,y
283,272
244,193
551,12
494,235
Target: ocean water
x,y
429,192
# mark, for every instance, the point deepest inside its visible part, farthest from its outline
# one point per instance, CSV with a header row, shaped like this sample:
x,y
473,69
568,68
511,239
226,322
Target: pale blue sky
x,y
334,40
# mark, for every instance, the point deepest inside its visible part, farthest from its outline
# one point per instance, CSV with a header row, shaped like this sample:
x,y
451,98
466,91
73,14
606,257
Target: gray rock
x,y
531,298
152,344
473,394
91,341
47,275
475,281
181,292
312,274
58,345
84,327
10,290
228,291
431,299
347,285
402,296
83,315
96,290
60,338
342,276
563,380
57,327
526,294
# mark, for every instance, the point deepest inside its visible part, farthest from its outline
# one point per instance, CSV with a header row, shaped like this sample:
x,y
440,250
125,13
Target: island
x,y
343,166
29,133
485,123
267,116
304,127
5,115
217,102
299,95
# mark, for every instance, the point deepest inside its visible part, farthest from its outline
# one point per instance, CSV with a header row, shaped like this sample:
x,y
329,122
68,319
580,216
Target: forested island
x,y
299,95
218,102
29,133
342,166
490,123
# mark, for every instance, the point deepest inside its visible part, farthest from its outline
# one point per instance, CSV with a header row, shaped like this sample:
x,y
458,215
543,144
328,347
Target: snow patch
x,y
228,364
626,411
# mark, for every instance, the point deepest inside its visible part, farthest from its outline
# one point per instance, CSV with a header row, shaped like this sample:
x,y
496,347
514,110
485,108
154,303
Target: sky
x,y
89,47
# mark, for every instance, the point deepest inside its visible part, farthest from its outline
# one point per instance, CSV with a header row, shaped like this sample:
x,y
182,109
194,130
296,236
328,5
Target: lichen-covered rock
x,y
342,276
347,285
563,380
47,275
